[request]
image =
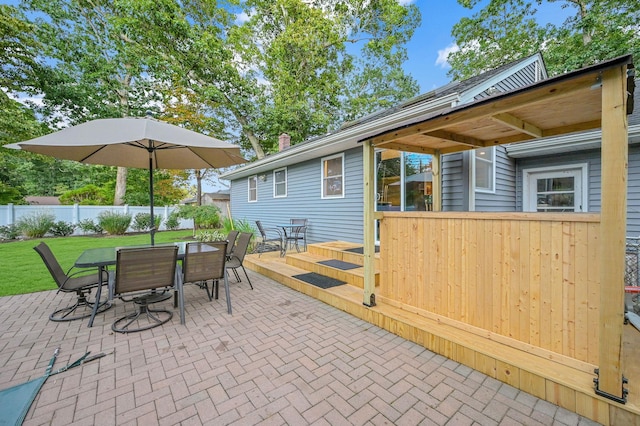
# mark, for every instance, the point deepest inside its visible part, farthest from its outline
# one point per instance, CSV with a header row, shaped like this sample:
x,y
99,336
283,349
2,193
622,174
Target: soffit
x,y
564,104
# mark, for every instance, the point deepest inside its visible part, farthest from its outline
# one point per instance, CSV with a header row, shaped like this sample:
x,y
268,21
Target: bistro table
x,y
287,229
102,257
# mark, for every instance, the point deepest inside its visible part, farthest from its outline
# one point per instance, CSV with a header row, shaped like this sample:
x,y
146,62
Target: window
x,y
555,189
484,171
333,176
253,188
280,183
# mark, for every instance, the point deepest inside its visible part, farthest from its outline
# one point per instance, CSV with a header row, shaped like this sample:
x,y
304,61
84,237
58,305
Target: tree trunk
x,y
255,143
121,186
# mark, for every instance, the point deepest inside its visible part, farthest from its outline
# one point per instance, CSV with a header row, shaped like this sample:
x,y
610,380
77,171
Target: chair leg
x,y
227,292
247,275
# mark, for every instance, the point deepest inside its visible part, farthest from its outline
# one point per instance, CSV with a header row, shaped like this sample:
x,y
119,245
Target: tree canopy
x,y
505,30
254,69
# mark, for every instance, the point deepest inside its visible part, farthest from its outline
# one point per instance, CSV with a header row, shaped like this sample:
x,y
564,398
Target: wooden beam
x,y
558,90
459,139
515,123
399,146
613,229
575,127
369,166
436,182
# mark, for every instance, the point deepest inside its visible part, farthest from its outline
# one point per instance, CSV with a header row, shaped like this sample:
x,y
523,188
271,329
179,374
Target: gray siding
x,y
329,219
594,170
524,77
504,198
454,193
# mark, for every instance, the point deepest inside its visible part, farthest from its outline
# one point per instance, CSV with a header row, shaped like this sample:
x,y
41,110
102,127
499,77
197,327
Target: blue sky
x,y
433,37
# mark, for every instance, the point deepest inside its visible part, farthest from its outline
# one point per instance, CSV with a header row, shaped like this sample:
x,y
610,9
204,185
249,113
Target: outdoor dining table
x,y
103,257
287,229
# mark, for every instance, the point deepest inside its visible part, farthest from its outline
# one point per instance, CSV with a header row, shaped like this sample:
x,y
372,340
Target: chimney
x,y
284,141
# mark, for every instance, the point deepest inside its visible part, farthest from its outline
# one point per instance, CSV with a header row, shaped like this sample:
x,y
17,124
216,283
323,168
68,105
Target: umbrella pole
x,y
153,222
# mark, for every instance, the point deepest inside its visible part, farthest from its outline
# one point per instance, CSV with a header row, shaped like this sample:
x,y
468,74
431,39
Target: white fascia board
x,y
470,95
567,143
340,140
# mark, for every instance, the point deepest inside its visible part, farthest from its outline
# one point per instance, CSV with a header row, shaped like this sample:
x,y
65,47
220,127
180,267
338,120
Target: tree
x,y
286,68
93,72
506,30
184,108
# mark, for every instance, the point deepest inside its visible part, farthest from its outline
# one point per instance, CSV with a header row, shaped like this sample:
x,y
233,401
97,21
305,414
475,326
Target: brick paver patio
x,y
282,358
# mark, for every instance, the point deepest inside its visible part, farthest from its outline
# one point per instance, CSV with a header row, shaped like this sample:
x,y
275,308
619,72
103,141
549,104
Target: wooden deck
x,y
554,377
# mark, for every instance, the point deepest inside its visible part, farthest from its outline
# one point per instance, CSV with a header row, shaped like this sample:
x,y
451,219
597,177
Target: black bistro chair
x,y
298,234
268,243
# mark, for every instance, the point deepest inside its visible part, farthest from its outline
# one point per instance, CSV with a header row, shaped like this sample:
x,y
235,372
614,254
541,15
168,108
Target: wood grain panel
x,y
522,276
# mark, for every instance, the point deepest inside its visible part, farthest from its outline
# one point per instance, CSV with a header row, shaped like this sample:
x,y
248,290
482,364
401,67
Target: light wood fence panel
x,y
532,277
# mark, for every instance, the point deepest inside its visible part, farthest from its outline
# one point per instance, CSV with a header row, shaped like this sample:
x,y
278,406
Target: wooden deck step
x,y
337,250
310,262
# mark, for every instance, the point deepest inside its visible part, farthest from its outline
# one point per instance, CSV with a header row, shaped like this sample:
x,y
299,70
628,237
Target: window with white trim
x,y
333,176
484,169
253,188
555,189
280,183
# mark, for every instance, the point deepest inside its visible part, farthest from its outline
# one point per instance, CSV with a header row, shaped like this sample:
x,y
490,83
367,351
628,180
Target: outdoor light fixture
x,y
262,177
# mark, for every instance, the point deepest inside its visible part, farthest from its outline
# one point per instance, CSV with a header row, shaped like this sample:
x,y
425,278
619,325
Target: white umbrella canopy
x,y
127,142
138,143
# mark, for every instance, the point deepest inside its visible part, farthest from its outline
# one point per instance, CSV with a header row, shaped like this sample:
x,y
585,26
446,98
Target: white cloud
x,y
405,2
443,54
242,17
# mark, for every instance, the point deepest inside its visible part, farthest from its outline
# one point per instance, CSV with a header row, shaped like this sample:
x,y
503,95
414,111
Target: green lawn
x,y
22,270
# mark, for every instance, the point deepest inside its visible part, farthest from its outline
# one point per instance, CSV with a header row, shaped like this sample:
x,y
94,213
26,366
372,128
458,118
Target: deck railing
x,y
530,278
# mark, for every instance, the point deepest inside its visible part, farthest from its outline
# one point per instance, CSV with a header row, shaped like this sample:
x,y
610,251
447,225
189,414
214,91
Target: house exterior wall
x,y
454,193
594,166
329,219
456,175
503,199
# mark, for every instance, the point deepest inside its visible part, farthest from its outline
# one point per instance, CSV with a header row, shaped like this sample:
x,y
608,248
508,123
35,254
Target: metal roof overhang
x,y
565,104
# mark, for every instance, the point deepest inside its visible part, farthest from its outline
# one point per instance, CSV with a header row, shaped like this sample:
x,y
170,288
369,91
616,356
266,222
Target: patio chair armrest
x,y
82,272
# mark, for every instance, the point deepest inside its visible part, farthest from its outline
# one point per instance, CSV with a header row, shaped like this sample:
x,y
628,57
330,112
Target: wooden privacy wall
x,y
533,277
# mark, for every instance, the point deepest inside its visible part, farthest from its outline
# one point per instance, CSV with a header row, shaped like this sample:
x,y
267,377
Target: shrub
x,y
241,225
89,195
173,221
62,229
37,224
9,232
207,217
208,235
88,225
142,221
113,222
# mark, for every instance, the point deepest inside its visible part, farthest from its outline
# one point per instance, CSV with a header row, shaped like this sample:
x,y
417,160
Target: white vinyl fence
x,y
10,214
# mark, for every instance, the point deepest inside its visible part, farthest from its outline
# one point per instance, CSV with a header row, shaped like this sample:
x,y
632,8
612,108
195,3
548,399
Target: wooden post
x,y
613,230
369,163
436,185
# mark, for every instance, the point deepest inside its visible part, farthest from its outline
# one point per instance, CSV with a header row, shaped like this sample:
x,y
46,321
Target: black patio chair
x,y
234,262
298,234
202,265
147,276
266,242
77,282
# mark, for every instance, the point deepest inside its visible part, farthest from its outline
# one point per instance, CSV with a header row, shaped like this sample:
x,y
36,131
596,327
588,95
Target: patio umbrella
x,y
135,142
